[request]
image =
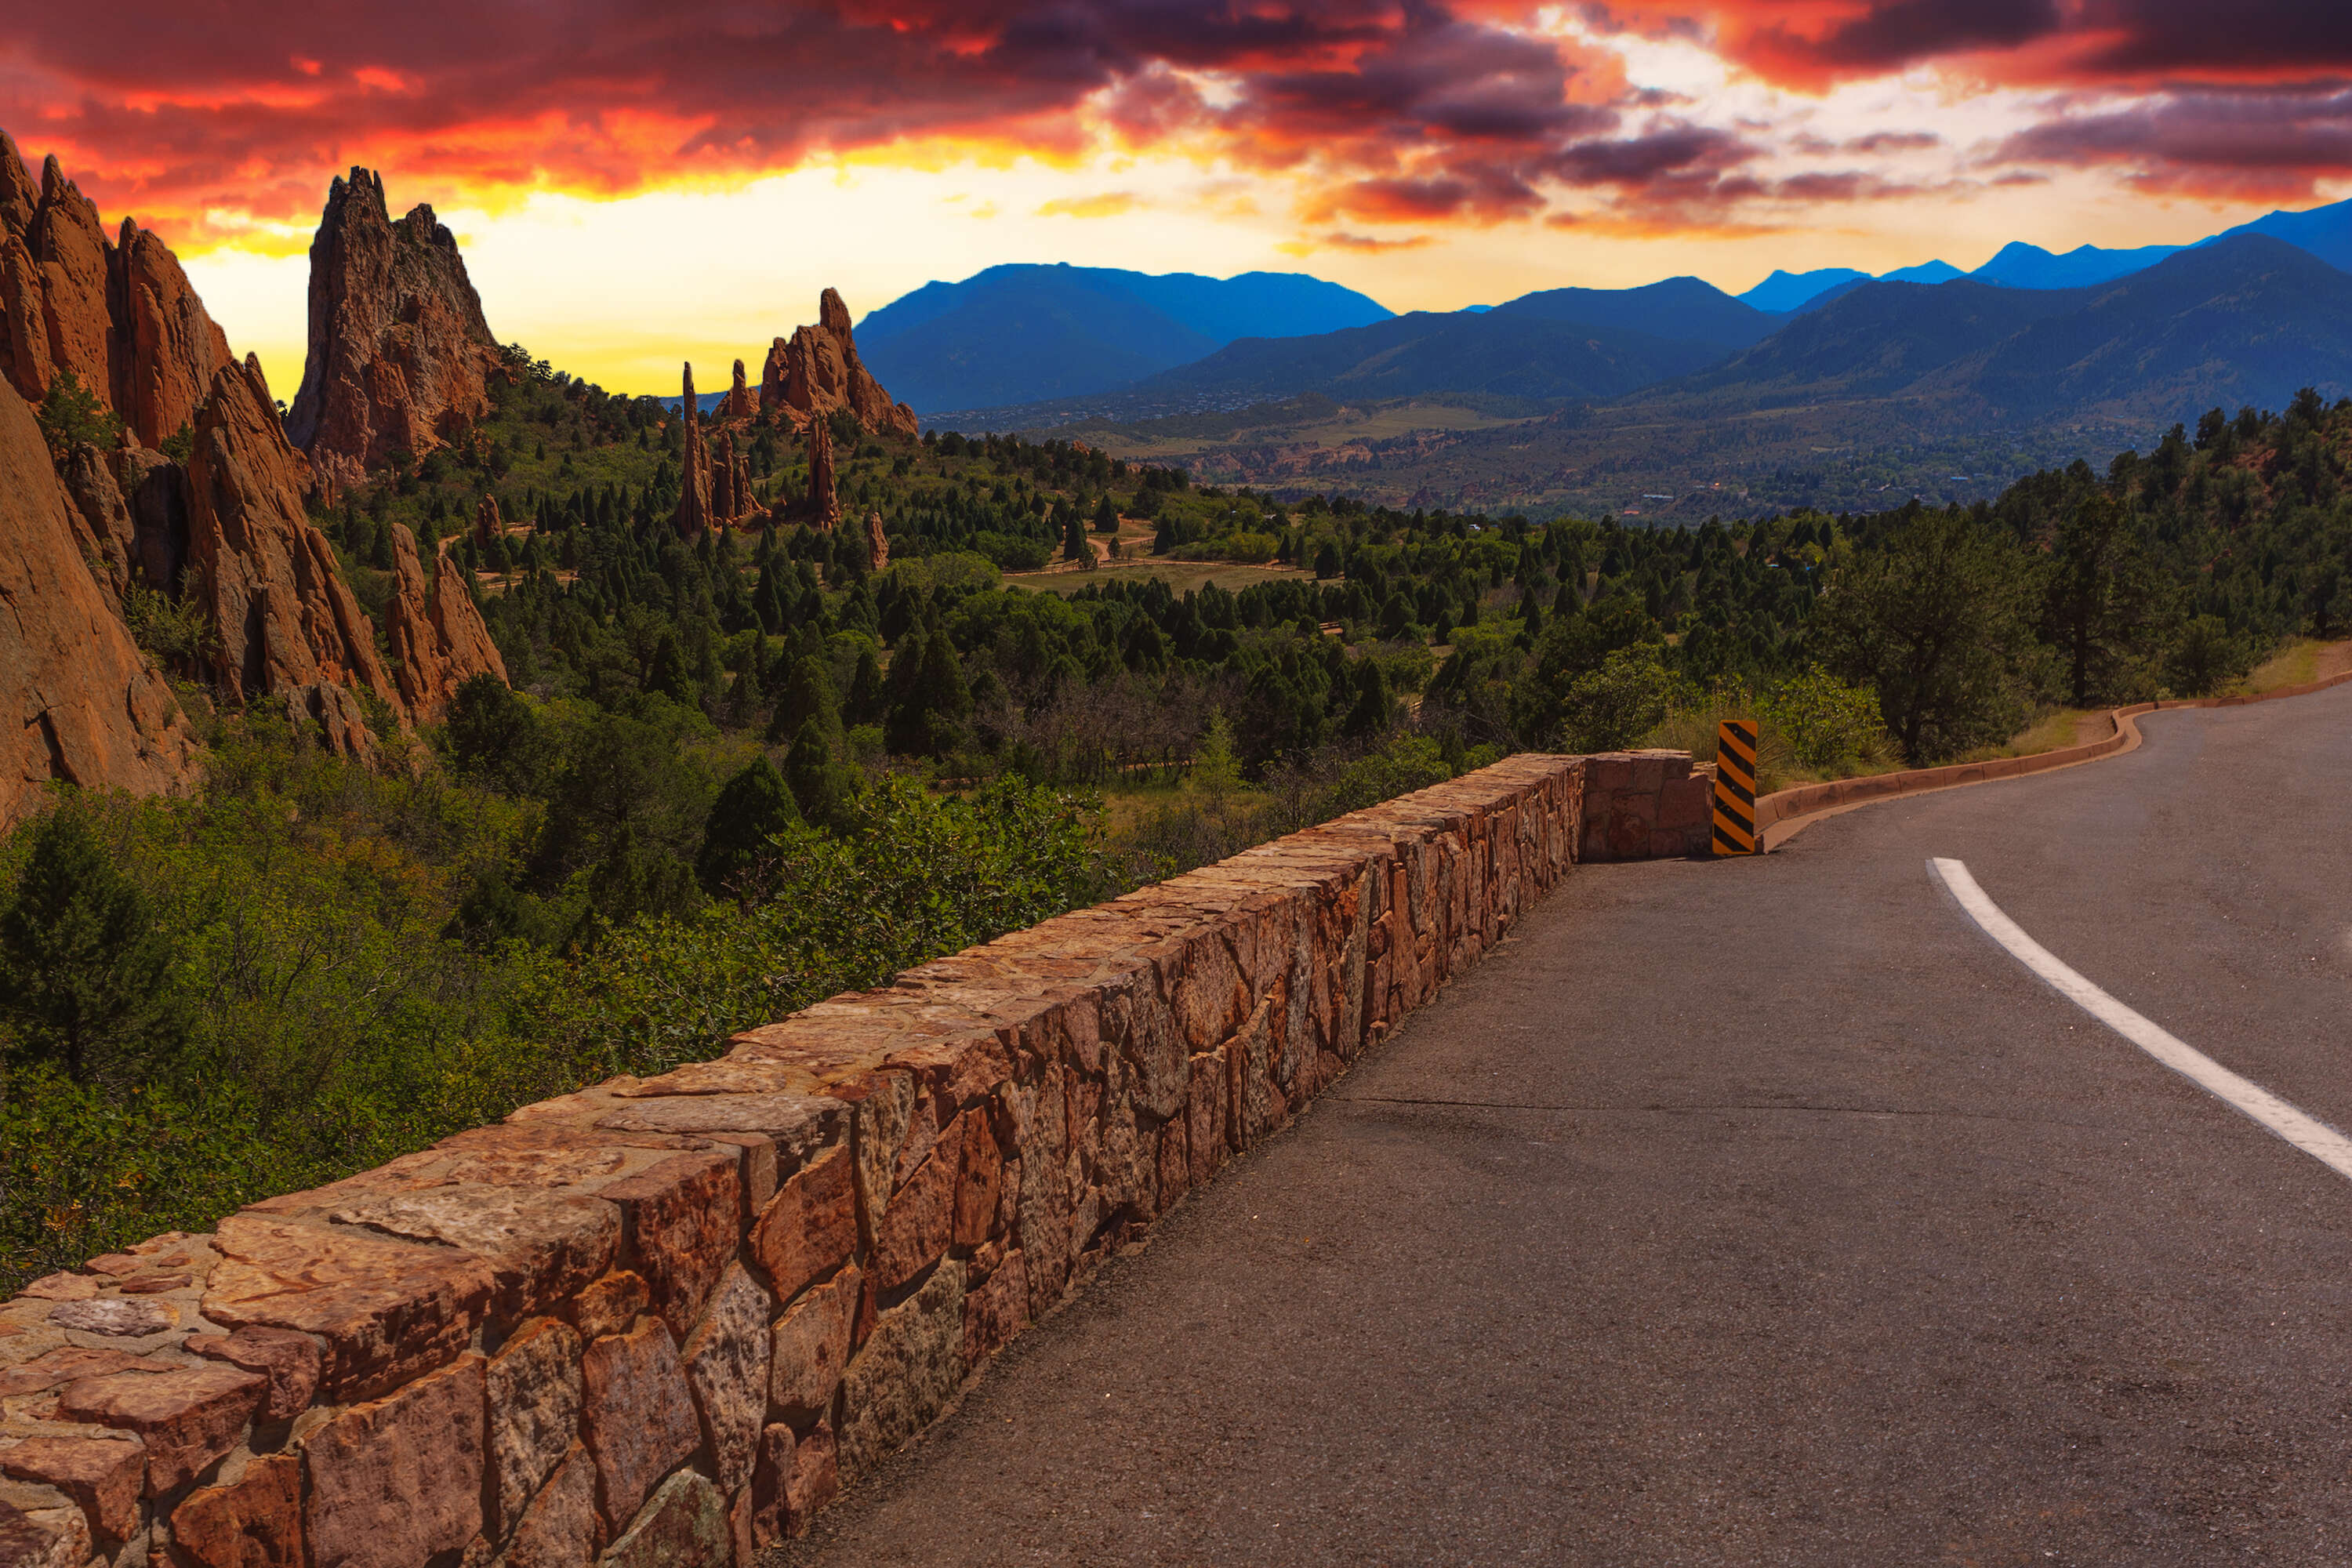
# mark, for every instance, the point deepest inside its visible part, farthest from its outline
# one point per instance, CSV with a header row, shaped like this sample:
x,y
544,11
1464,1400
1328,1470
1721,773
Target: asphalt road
x,y
1761,1212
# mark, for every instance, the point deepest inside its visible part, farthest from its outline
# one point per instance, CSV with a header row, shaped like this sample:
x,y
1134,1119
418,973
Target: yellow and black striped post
x,y
1734,787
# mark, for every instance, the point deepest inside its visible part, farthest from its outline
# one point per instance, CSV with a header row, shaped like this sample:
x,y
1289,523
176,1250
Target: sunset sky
x,y
635,182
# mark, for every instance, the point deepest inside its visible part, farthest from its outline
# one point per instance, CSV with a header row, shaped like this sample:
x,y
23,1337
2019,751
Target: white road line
x,y
2313,1137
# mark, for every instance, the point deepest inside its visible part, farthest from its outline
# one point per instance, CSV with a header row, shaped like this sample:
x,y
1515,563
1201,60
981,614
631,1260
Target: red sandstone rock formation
x,y
818,371
878,545
287,624
167,348
400,355
119,315
692,518
488,523
731,498
438,641
129,508
86,704
824,502
738,403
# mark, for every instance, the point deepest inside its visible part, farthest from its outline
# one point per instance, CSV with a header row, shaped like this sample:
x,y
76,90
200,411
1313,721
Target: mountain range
x,y
2325,232
1946,391
1036,345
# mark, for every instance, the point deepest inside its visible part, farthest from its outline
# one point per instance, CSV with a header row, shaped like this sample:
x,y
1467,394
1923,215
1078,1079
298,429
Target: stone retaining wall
x,y
658,1324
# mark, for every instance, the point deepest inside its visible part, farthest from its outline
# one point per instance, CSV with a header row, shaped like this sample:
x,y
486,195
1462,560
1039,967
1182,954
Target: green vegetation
x,y
741,772
70,414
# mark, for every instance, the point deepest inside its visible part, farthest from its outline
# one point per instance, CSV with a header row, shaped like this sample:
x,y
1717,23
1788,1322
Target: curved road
x,y
1761,1212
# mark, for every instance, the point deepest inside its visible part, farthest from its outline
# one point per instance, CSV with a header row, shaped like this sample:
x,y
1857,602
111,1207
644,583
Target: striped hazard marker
x,y
1734,787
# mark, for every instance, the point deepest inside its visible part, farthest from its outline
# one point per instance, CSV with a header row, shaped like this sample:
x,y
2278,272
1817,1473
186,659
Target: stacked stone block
x,y
1646,805
660,1322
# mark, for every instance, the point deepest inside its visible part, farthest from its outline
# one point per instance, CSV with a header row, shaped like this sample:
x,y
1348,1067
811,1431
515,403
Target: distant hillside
x,y
1873,340
1680,310
1493,352
1946,391
1021,334
2246,319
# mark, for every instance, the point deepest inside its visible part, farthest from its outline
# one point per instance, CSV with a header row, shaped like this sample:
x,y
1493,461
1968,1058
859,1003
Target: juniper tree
x,y
85,970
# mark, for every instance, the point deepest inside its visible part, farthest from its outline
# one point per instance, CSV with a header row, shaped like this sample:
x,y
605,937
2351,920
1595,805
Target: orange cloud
x,y
1110,203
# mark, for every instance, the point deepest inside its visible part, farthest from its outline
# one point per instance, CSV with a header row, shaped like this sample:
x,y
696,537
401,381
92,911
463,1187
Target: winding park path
x,y
1765,1211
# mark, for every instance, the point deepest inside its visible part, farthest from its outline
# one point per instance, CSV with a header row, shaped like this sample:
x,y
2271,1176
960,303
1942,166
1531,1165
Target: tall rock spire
x,y
824,501
693,515
817,370
400,355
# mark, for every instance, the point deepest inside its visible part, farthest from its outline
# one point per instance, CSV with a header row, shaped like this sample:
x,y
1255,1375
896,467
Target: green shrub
x,y
1827,724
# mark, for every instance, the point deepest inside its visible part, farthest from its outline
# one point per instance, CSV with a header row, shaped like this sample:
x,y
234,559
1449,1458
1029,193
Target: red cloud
x,y
2272,145
1397,110
1811,44
1392,109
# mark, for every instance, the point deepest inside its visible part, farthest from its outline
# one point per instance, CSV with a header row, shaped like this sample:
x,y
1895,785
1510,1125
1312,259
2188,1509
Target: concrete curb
x,y
1784,814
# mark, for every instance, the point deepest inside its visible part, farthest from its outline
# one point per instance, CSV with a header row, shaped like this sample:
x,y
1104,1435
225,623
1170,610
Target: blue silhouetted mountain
x,y
2021,266
1786,291
1925,272
2325,232
1499,353
1023,334
1680,310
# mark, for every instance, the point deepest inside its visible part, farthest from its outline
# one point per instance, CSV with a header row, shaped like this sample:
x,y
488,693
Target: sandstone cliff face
x,y
129,508
167,347
286,622
117,314
85,703
400,356
437,639
817,370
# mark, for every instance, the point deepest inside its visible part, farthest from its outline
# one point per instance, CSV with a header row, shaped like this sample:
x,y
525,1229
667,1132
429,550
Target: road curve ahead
x,y
1762,1212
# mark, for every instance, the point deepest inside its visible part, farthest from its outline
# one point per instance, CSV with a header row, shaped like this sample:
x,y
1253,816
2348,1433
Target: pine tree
x,y
736,851
924,719
820,781
1371,714
666,671
866,697
1075,546
2103,607
1106,515
807,695
85,973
